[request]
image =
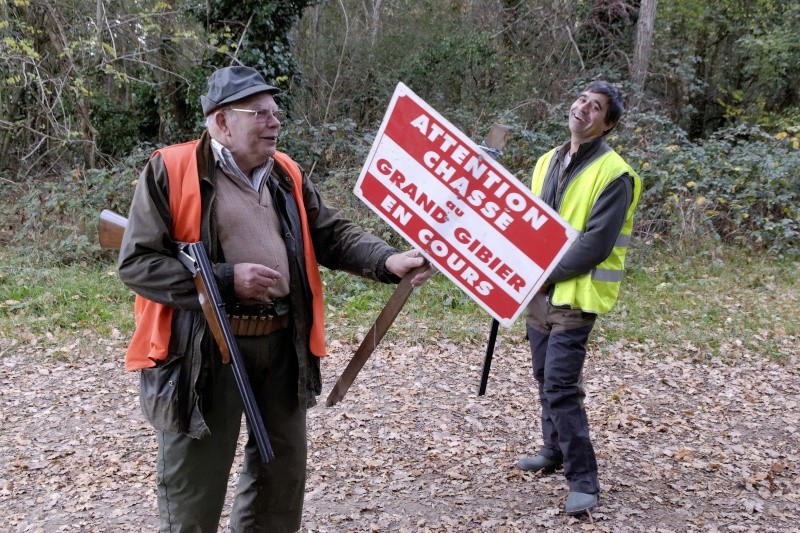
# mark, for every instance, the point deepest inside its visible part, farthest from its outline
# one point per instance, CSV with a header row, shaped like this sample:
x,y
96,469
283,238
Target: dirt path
x,y
682,445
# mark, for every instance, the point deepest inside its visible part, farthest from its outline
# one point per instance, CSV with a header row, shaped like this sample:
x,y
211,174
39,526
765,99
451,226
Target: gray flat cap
x,y
230,84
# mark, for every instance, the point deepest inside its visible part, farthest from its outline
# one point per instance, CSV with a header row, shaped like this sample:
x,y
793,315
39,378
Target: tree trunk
x,y
172,112
71,77
644,43
373,27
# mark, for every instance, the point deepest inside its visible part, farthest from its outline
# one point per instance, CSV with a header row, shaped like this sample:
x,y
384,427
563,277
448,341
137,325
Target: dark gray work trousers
x,y
192,474
558,340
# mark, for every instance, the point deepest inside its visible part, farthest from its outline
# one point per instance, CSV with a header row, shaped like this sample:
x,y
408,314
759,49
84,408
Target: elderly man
x,y
265,228
596,192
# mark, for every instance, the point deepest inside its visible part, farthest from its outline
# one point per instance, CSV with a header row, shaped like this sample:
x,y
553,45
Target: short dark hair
x,y
615,104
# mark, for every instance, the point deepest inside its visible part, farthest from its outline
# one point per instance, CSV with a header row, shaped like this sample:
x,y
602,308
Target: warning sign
x,y
476,222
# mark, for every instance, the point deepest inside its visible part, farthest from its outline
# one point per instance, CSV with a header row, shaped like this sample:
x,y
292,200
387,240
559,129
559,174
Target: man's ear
x,y
608,126
221,121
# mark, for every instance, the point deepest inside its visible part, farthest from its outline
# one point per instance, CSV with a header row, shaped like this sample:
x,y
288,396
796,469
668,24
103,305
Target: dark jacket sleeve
x,y
341,244
147,259
595,244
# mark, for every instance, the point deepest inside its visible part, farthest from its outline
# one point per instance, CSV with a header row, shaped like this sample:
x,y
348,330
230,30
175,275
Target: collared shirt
x,y
225,159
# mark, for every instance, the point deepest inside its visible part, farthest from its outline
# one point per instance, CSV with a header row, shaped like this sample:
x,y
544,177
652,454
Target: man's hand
x,y
402,264
252,282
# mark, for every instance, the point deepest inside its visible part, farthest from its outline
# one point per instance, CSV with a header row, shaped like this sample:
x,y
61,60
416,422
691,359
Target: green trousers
x,y
192,474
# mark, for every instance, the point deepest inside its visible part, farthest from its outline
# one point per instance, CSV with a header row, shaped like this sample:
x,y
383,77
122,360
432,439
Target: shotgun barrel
x,y
194,257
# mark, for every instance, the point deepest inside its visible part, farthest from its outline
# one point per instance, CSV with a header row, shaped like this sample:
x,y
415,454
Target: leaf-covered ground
x,y
683,445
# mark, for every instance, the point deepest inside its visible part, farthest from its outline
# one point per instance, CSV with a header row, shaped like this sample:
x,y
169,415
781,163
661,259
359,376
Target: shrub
x,y
58,219
740,186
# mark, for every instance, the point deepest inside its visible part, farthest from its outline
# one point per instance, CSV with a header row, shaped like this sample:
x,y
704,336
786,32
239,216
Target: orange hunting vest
x,y
150,341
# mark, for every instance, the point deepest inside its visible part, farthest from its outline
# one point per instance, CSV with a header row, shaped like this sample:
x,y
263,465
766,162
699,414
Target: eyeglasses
x,y
263,115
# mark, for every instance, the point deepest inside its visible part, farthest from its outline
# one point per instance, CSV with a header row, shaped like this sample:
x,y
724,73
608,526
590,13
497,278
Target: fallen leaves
x,y
682,444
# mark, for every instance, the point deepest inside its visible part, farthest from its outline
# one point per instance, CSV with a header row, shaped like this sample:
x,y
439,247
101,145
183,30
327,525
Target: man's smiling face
x,y
252,140
587,116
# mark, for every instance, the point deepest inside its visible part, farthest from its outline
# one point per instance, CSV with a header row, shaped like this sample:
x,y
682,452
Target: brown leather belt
x,y
257,325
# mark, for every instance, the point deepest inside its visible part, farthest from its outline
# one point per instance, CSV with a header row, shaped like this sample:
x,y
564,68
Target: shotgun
x,y
194,258
493,143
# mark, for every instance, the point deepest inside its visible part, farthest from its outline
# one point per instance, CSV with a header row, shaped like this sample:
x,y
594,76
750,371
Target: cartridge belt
x,y
255,321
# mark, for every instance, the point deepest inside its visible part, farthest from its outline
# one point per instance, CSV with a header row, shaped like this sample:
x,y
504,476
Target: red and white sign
x,y
469,216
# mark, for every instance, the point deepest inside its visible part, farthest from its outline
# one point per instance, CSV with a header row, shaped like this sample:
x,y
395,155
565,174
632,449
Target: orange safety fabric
x,y
150,342
316,341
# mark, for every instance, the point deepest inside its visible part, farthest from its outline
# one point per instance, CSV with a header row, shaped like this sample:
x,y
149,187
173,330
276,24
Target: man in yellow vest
x,y
265,228
596,192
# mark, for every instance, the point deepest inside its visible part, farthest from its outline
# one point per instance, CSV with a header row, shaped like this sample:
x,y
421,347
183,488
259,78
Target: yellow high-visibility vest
x,y
597,290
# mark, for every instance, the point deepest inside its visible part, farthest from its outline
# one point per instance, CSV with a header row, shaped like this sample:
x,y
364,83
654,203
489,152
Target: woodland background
x,y
89,88
693,379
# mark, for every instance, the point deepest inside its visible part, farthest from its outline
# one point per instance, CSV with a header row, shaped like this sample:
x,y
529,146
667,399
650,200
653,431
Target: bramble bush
x,y
741,186
56,220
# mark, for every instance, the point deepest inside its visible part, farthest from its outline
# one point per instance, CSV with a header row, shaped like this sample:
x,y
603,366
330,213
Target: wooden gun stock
x,y
110,229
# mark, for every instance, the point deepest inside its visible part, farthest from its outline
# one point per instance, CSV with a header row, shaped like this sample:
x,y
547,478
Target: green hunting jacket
x,y
148,265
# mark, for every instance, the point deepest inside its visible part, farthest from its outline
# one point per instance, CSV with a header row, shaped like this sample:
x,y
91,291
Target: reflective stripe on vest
x,y
597,290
